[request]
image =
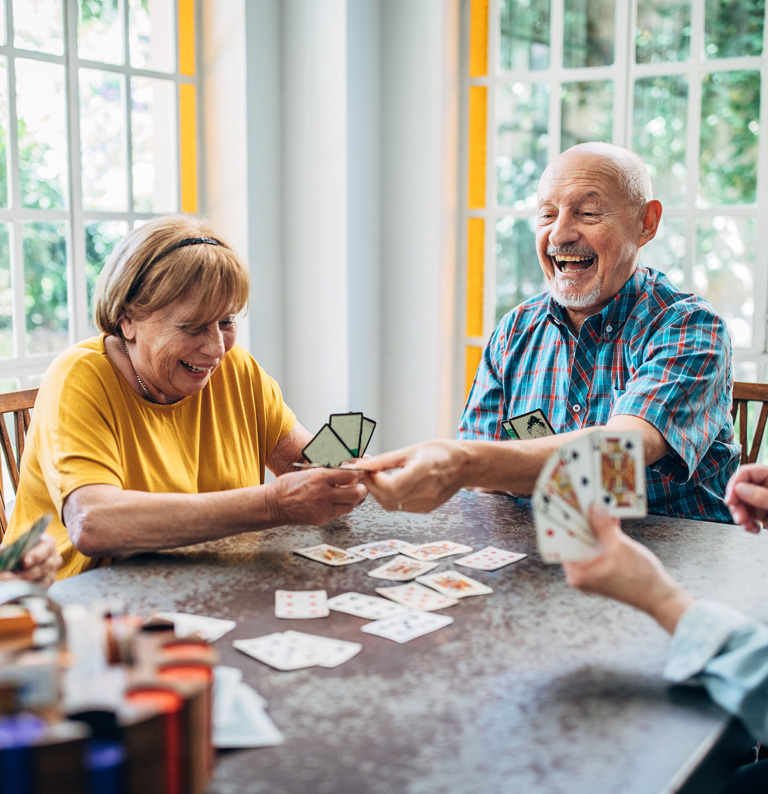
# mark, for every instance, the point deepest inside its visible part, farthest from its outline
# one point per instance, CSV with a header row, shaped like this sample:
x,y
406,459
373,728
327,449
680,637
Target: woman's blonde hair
x,y
160,261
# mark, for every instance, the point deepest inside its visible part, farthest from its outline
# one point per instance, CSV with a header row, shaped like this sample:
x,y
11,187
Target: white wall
x,y
343,179
224,188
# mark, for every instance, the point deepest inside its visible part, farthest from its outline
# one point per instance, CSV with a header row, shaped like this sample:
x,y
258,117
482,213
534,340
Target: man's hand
x,y
747,496
422,477
629,572
315,496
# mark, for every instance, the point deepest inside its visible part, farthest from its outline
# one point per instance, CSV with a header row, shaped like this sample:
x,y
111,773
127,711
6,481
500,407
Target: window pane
x,y
154,139
663,32
100,31
523,116
518,273
3,133
42,134
733,28
587,112
39,25
588,33
659,135
730,113
102,140
746,371
3,31
152,35
45,286
666,252
100,239
523,34
724,273
6,294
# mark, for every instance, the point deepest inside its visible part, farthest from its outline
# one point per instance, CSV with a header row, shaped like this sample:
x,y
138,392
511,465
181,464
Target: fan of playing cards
x,y
606,467
11,557
345,436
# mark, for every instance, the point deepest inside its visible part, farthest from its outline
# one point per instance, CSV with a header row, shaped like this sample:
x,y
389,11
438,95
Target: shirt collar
x,y
615,313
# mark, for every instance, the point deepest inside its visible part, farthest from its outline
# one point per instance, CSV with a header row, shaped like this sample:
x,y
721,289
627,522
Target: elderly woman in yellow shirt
x,y
156,433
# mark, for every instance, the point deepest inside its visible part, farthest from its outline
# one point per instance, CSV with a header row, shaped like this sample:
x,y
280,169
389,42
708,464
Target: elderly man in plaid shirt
x,y
611,343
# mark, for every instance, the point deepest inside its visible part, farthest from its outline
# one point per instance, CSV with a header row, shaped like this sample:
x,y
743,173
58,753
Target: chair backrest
x,y
17,404
743,394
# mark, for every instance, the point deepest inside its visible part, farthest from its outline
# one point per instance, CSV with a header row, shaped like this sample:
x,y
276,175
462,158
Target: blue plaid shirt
x,y
652,352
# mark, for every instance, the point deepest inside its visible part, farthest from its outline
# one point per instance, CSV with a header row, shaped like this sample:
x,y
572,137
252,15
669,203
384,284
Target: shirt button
x,y
576,408
609,328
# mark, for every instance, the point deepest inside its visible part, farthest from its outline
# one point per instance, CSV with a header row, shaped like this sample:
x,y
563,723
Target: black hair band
x,y
183,243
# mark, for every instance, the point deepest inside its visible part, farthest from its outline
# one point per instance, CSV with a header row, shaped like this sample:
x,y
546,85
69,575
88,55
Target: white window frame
x,y
624,73
25,368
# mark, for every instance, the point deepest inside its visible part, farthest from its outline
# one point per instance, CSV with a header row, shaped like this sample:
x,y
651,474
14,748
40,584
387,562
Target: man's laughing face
x,y
588,233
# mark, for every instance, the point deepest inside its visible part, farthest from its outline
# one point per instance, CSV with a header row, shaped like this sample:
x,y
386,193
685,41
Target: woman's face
x,y
174,356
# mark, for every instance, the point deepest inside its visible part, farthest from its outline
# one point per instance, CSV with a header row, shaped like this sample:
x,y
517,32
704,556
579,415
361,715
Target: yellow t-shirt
x,y
88,426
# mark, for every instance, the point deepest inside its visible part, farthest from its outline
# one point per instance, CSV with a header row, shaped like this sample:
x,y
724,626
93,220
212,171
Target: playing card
x,y
280,651
293,650
326,448
209,629
365,435
225,682
552,506
348,427
401,569
415,596
408,626
343,465
332,652
364,606
454,584
301,604
579,461
11,557
378,549
330,555
509,430
531,425
490,558
557,542
434,551
555,480
246,723
620,467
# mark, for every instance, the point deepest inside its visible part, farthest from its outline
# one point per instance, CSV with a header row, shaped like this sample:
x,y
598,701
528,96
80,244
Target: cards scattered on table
x,y
408,626
490,558
344,437
604,466
378,549
402,569
529,425
11,557
294,650
454,584
301,604
208,629
434,551
330,555
415,596
365,606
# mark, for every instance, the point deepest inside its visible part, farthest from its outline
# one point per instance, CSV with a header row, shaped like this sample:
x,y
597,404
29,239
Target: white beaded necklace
x,y
147,392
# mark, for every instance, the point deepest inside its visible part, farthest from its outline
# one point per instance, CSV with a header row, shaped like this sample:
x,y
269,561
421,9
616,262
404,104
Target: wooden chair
x,y
743,395
19,404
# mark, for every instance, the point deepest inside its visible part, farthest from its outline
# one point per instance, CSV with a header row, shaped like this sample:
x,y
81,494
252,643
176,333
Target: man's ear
x,y
651,217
